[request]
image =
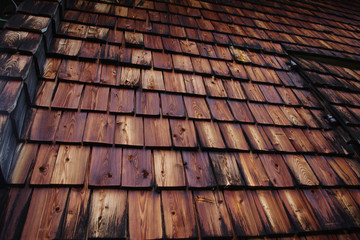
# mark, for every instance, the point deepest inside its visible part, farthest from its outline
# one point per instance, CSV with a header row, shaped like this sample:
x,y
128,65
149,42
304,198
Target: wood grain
x,y
147,103
198,170
196,107
293,116
323,170
76,213
213,216
279,139
277,170
152,80
343,170
182,63
220,68
95,98
145,215
71,127
107,215
89,50
253,92
183,133
134,39
122,100
214,87
257,137
301,170
90,72
233,136
44,164
169,169
234,90
172,105
237,70
270,94
201,66
136,168
226,170
103,132
70,166
67,95
194,84
209,135
219,109
299,140
179,214
157,132
174,82
45,213
277,116
44,94
51,67
162,61
105,166
189,47
130,76
241,111
260,114
110,74
141,57
44,125
129,131
171,44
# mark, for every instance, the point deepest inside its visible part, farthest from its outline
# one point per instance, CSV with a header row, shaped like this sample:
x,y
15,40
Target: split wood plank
x,y
277,115
134,39
145,215
237,71
44,125
253,92
308,117
300,210
220,68
194,84
172,105
51,67
209,135
214,87
45,213
141,57
171,44
110,74
241,111
196,108
277,170
293,116
182,63
183,133
253,171
44,164
246,218
269,203
130,77
301,170
201,66
90,72
343,170
279,139
169,169
299,140
234,90
107,217
233,136
162,61
122,100
44,94
89,50
152,80
320,143
189,47
323,170
257,137
76,213
67,95
270,94
179,214
213,216
70,166
95,98
157,132
105,166
174,82
219,109
198,170
70,70
136,168
129,131
147,103
226,170
99,128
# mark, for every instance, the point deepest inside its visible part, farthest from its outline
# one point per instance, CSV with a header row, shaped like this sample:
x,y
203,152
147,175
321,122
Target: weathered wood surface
x,y
260,114
67,95
169,169
237,70
172,105
44,164
162,61
147,103
241,111
301,170
152,80
136,168
194,84
182,63
70,166
44,94
110,74
90,72
122,100
69,70
270,94
134,39
44,125
253,92
220,68
214,219
51,67
209,135
130,76
145,215
322,169
219,109
279,139
171,44
343,170
107,217
189,47
277,116
233,136
226,170
89,50
76,215
141,57
105,167
214,87
71,127
277,170
174,82
129,131
179,214
103,133
157,132
257,137
196,107
234,89
183,133
44,218
95,98
201,66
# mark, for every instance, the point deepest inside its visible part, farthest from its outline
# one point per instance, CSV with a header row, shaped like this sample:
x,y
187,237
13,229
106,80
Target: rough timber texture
x,y
180,119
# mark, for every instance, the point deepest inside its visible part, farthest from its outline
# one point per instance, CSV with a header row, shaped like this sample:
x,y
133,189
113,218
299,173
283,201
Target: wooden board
x,y
162,61
122,100
287,96
134,39
277,116
44,125
172,105
179,214
44,94
71,127
129,131
253,92
277,170
95,98
103,132
301,170
182,63
299,140
219,109
51,67
214,87
67,95
209,135
226,170
300,211
343,170
90,72
70,166
253,171
153,42
279,139
245,216
136,168
45,213
201,66
220,68
110,74
213,216
89,50
241,111
199,173
323,170
109,53
147,103
237,70
189,47
171,44
194,84
152,80
76,214
157,132
257,137
105,166
293,116
107,217
206,50
141,57
234,89
169,169
44,164
183,133
233,136
196,108
320,143
174,82
130,77
145,215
